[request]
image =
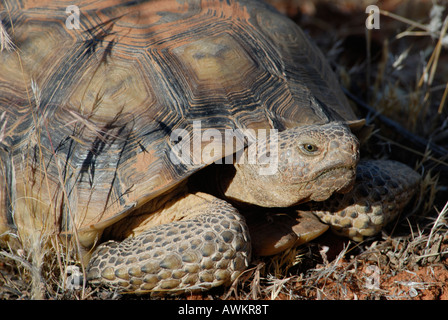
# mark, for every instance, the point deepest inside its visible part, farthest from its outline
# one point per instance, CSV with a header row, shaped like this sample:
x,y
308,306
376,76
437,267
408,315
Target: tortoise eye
x,y
309,148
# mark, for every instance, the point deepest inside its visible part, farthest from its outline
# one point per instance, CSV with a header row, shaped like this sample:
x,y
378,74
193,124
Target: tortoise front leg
x,y
209,249
381,191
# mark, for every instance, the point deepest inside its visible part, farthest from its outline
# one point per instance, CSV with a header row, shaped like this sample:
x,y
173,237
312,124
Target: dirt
x,y
368,280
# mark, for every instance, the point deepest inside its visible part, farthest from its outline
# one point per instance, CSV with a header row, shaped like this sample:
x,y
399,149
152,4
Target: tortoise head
x,y
311,163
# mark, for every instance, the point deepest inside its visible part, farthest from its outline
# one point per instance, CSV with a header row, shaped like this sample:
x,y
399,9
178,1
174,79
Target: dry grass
x,y
403,76
5,40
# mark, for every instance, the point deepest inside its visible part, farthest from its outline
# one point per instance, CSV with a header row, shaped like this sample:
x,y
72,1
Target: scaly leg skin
x,y
381,191
210,249
213,247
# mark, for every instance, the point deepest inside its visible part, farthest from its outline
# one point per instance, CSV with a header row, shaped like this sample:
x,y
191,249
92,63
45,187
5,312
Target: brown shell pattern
x,y
87,113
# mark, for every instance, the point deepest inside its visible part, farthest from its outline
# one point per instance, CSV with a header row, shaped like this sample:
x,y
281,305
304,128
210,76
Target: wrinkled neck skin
x,y
306,163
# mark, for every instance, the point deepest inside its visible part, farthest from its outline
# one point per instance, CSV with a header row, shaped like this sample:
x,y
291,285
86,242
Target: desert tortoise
x,y
112,112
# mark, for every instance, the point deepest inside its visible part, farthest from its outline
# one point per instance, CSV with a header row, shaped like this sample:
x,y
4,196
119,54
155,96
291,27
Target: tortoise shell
x,y
90,97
